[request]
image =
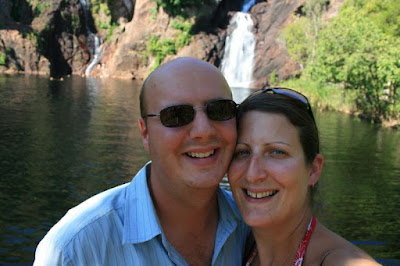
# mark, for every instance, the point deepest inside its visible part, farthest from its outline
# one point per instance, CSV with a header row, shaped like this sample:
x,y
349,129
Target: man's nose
x,y
202,126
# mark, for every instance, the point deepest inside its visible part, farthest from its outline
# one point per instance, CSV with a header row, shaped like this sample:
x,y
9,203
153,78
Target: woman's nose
x,y
256,170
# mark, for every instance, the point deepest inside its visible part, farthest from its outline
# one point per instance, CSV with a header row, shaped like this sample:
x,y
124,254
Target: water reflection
x,y
360,186
62,142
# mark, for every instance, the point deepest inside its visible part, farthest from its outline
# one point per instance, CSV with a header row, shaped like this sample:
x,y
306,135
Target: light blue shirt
x,y
120,227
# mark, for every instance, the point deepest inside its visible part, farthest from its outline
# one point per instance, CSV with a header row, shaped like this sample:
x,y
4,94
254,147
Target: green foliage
x,y
323,95
153,11
272,78
160,49
75,23
354,52
177,7
104,8
38,6
3,59
184,36
297,41
110,31
300,37
95,9
103,18
385,14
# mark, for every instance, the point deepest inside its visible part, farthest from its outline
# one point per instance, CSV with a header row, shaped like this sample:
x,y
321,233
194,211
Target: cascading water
x,y
237,64
247,5
93,42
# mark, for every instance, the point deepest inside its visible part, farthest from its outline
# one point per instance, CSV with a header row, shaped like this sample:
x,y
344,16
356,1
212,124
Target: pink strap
x,y
304,243
302,246
252,256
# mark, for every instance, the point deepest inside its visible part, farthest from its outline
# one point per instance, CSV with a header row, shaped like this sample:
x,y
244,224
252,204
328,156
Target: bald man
x,y
173,212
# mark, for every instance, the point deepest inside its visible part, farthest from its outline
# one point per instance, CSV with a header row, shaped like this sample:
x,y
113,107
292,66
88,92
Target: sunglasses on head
x,y
181,115
291,94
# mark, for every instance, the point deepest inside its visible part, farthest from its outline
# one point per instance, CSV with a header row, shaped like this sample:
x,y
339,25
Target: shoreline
x,y
391,123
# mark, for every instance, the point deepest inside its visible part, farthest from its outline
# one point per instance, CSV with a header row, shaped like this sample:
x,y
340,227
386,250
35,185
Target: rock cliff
x,y
271,56
126,56
53,37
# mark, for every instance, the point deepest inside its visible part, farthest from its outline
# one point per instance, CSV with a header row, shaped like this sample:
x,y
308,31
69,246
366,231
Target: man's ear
x,y
144,133
316,169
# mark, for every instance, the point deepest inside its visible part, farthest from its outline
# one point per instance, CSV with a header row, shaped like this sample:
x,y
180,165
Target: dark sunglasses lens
x,y
221,110
176,116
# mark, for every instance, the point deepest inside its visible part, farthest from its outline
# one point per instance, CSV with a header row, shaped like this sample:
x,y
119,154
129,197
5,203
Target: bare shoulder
x,y
347,257
328,248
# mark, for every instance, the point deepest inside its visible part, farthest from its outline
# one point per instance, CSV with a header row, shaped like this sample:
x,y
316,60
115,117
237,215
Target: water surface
x,y
64,141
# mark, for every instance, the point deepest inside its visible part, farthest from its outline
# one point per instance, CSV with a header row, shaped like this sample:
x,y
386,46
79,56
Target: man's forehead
x,y
181,74
182,67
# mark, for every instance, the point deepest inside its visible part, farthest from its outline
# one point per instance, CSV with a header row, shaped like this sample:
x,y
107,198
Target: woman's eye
x,y
279,153
241,153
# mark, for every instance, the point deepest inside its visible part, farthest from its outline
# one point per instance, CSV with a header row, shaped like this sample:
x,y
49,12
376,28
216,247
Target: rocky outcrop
x,y
126,56
52,37
20,54
18,46
271,56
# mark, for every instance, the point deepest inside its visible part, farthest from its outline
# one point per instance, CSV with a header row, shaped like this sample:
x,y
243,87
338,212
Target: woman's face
x,y
268,174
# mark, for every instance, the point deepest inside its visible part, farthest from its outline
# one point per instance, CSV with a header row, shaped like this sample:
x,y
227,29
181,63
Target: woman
x,y
272,175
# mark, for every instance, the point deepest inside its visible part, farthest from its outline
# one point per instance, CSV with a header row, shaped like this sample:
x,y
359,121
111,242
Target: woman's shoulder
x,y
328,248
346,256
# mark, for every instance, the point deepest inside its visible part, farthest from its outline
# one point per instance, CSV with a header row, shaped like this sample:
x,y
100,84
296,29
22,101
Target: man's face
x,y
196,155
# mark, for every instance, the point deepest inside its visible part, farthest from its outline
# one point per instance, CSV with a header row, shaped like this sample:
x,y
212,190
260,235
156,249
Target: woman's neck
x,y
277,243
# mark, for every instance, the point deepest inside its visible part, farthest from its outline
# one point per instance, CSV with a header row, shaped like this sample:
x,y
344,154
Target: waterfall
x,y
247,5
237,64
93,42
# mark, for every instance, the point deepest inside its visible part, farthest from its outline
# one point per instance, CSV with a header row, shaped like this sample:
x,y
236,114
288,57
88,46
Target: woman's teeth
x,y
200,154
261,194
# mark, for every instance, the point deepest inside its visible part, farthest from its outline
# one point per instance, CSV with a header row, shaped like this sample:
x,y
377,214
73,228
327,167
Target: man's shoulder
x,y
97,209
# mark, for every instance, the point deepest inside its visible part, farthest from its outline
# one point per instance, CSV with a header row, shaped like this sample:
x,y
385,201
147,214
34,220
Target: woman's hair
x,y
295,110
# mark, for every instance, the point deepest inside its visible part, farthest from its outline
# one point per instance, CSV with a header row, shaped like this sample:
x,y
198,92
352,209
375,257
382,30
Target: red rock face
x,y
22,54
270,55
124,58
63,37
51,38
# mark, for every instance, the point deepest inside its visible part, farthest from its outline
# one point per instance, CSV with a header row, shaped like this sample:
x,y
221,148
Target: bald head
x,y
177,72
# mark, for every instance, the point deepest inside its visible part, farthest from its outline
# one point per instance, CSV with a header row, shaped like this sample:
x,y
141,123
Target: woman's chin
x,y
257,220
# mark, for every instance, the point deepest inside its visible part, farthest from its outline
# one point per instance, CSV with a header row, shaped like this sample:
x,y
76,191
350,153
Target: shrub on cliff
x,y
3,59
177,7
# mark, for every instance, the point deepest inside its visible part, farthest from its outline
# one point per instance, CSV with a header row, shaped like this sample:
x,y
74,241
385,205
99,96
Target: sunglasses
x,y
291,94
181,115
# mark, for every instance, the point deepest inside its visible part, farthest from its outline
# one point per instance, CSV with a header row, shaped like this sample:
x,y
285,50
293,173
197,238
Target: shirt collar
x,y
140,222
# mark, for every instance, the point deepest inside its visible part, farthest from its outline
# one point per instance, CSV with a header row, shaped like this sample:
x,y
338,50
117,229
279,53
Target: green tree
x,y
385,14
354,52
296,40
301,37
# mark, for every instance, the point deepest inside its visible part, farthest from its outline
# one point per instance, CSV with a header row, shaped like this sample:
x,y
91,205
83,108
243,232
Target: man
x,y
173,212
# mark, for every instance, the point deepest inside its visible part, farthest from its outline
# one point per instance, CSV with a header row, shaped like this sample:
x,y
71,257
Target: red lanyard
x,y
302,246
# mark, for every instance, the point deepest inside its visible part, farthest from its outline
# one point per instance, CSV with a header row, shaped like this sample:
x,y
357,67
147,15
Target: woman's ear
x,y
144,133
316,169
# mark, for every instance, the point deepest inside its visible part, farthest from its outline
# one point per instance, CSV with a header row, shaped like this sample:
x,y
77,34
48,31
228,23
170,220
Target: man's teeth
x,y
261,194
201,155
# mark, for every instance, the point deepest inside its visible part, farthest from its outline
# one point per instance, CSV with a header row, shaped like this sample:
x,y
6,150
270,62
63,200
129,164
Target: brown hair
x,y
295,110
